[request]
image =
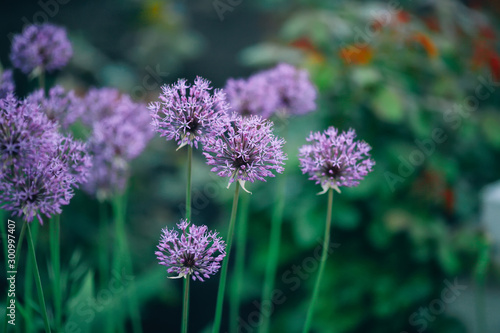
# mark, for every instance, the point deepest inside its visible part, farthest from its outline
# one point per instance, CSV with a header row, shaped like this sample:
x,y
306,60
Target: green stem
x,y
103,244
122,258
324,256
55,254
38,281
188,186
41,81
273,253
225,263
239,264
28,281
185,309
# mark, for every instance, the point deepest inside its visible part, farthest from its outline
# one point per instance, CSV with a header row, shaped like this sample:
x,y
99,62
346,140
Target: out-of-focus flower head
x,y
6,83
120,130
297,93
252,96
196,253
188,114
44,47
335,159
245,150
25,132
40,166
59,106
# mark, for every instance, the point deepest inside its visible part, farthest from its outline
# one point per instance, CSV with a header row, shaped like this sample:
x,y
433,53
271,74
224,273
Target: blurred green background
x,y
416,79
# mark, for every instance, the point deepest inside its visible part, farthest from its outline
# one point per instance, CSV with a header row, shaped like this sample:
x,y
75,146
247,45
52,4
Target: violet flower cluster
x,y
44,47
283,89
59,106
246,150
40,167
335,159
120,130
195,253
6,83
188,114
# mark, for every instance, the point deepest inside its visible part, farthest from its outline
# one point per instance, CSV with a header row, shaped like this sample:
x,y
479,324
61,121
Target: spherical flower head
x,y
253,96
6,84
36,189
44,47
59,106
25,132
120,130
40,166
195,253
245,150
296,92
188,114
334,159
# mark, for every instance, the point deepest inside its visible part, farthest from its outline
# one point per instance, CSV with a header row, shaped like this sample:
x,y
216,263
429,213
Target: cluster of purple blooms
x,y
335,159
282,90
40,167
44,47
120,130
197,252
60,106
188,114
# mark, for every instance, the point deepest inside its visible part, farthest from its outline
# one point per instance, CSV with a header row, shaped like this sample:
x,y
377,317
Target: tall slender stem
x,y
239,264
103,244
41,80
225,263
274,250
38,281
188,186
324,256
28,280
185,308
55,254
122,258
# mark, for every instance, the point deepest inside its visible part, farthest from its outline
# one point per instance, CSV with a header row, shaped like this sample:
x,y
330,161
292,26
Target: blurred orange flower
x,y
313,55
426,43
357,54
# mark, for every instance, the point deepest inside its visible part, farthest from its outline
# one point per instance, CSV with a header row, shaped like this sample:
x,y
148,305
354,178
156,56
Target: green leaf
x,y
387,105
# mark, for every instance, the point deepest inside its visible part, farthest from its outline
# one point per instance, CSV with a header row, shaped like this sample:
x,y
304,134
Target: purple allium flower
x,y
60,106
193,253
334,159
120,130
245,150
253,96
40,167
188,114
41,188
6,84
296,91
44,47
25,133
